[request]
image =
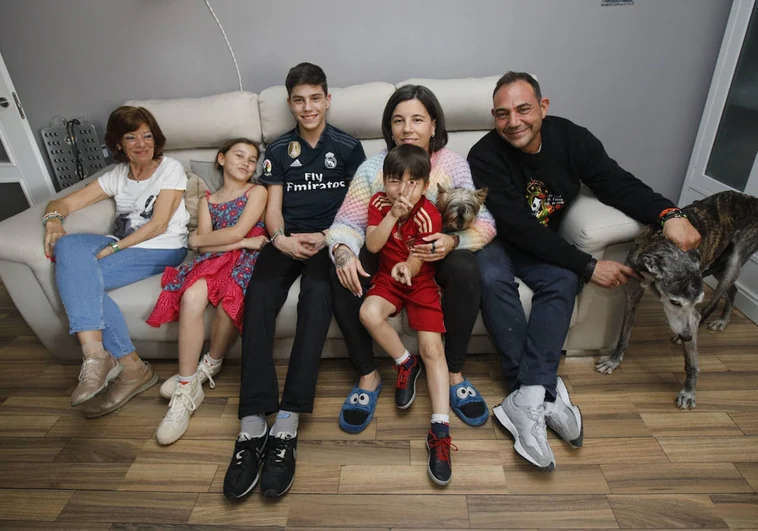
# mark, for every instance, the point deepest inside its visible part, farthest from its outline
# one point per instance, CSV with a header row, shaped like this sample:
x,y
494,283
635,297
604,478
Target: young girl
x,y
230,234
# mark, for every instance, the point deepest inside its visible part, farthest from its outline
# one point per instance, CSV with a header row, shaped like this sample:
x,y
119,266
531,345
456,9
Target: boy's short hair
x,y
305,74
410,158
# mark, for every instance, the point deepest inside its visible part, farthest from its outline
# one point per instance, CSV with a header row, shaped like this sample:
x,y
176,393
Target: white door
x,y
725,156
20,159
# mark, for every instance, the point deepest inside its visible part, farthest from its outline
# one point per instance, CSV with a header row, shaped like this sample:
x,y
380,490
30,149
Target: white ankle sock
x,y
439,417
184,380
402,359
530,395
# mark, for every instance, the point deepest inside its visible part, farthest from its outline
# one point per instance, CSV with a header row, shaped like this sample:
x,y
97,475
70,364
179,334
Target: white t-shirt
x,y
135,201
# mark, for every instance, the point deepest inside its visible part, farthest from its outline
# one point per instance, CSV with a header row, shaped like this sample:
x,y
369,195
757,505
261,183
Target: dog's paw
x,y
676,339
686,399
717,325
607,365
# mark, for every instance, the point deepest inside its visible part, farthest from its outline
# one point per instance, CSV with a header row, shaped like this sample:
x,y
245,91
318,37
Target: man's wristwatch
x,y
589,269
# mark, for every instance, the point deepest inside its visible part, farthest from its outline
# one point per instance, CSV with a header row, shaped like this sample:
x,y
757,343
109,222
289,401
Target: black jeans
x,y
457,275
274,275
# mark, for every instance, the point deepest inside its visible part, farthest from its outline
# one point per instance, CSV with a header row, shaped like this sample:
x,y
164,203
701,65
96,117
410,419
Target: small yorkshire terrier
x,y
459,206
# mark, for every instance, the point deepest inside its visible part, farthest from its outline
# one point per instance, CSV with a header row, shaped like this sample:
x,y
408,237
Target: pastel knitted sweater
x,y
448,168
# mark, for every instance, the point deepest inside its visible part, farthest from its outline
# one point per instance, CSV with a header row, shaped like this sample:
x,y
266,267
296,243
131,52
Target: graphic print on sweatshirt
x,y
541,201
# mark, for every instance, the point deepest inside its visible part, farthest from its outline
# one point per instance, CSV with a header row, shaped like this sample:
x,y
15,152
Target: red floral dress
x,y
227,274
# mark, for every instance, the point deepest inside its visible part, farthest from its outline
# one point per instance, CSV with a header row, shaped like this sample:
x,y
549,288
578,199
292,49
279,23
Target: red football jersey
x,y
422,221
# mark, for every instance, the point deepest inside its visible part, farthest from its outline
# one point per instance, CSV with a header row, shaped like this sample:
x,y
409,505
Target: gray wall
x,y
636,76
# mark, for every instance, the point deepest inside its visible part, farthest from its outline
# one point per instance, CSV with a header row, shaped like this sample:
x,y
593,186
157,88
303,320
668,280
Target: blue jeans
x,y
529,351
83,280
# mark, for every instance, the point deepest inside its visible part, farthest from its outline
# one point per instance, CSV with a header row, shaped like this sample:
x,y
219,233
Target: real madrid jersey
x,y
314,179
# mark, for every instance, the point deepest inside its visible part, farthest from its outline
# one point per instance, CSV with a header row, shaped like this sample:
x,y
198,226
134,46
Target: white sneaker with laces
x,y
564,418
186,399
205,373
527,425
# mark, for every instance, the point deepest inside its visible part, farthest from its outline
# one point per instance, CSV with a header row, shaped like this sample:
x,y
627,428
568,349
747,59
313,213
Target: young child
x,y
230,234
398,217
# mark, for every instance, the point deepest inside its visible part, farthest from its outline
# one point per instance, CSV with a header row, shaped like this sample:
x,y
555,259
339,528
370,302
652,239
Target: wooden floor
x,y
644,464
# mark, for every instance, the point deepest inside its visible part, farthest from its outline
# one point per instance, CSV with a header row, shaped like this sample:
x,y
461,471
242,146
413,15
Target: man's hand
x,y
612,274
295,246
681,233
348,268
401,273
314,240
436,247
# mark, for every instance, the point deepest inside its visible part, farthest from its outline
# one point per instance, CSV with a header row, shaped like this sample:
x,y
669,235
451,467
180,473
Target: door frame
x,y
32,161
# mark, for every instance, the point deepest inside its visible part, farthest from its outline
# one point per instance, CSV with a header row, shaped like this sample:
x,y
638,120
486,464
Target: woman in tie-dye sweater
x,y
412,115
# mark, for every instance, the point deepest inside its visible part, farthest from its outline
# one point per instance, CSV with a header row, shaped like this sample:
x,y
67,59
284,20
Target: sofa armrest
x,y
592,225
22,236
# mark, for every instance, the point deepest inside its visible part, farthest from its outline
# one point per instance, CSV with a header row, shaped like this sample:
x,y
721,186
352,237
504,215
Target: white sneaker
x,y
186,399
205,373
527,425
564,418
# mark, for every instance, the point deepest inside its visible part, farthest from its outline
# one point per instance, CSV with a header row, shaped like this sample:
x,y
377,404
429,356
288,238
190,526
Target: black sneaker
x,y
440,467
279,466
244,470
405,387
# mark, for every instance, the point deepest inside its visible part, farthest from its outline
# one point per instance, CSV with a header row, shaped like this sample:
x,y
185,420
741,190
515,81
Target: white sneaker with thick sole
x,y
205,373
527,426
186,399
564,418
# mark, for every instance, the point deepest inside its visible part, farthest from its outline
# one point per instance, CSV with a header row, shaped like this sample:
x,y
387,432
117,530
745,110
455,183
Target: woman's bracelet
x,y
115,247
52,215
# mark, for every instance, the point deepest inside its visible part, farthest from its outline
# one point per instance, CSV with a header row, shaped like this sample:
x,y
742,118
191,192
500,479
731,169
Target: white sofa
x,y
195,127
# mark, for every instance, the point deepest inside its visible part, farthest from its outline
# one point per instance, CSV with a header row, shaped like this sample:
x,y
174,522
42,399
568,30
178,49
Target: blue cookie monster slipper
x,y
358,409
468,404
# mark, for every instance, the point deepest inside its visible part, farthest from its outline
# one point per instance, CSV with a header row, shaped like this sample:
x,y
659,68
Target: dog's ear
x,y
652,266
647,279
481,194
441,189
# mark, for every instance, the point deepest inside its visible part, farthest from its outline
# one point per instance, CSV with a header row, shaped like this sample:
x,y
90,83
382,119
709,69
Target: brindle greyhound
x,y
728,225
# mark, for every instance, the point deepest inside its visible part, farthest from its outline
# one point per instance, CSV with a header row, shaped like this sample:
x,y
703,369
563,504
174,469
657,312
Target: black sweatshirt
x,y
529,194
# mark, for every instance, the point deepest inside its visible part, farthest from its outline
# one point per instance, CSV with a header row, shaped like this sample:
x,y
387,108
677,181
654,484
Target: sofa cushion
x,y
466,102
196,188
206,122
208,172
356,109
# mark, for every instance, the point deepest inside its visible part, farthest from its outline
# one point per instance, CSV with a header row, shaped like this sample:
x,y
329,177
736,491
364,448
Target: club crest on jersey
x,y
330,161
267,168
293,150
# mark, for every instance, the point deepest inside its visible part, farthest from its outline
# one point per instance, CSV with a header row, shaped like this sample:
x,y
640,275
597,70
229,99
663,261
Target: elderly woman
x,y
149,233
413,115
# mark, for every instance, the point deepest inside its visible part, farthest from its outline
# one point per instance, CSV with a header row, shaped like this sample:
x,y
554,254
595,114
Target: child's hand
x,y
402,205
256,243
192,242
401,273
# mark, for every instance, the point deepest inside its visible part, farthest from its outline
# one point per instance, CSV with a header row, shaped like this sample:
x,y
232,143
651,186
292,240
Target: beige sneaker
x,y
205,373
126,386
96,373
186,399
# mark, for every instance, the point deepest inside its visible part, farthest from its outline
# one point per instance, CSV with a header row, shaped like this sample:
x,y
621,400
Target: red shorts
x,y
421,301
